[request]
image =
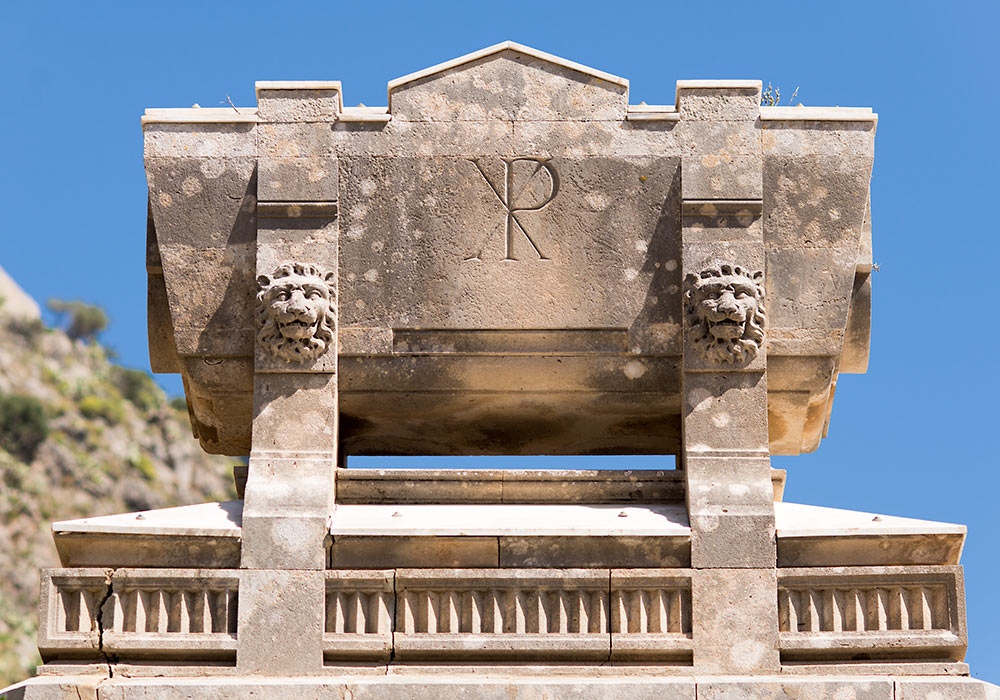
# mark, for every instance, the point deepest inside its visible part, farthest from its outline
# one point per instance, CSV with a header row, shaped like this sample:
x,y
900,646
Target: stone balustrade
x,y
852,613
427,615
140,613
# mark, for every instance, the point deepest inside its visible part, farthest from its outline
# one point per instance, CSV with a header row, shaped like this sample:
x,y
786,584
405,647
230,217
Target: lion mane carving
x,y
296,311
724,305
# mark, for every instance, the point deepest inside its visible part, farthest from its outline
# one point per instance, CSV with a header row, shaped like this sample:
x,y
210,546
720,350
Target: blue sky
x,y
913,437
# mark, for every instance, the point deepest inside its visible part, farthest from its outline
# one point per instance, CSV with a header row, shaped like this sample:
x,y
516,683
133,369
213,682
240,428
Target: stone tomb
x,y
507,259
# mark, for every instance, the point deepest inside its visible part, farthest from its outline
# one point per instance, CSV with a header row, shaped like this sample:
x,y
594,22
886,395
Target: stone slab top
x,y
495,49
797,520
511,520
223,519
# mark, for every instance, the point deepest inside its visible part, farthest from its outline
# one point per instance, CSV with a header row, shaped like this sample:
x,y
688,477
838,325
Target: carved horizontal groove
x,y
297,210
722,207
510,342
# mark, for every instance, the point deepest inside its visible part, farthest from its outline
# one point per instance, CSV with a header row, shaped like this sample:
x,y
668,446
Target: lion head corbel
x,y
296,311
724,305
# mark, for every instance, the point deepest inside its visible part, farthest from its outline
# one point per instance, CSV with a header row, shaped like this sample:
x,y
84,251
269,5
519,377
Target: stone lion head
x,y
725,309
296,311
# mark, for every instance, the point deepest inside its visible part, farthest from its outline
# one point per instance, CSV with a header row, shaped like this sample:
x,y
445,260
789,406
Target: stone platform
x,y
498,684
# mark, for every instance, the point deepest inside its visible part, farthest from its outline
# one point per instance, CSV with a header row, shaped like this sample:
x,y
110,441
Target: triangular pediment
x,y
508,81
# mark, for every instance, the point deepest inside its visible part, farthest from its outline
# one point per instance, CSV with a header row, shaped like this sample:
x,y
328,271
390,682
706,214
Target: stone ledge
x,y
495,684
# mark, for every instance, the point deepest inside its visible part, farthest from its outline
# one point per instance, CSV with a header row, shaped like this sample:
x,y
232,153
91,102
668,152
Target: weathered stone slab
x,y
281,622
731,620
795,689
527,242
508,82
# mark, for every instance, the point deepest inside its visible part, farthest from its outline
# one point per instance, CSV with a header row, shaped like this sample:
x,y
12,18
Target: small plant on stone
x,y
771,97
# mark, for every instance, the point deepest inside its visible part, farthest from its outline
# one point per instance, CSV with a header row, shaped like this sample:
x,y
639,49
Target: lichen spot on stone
x,y
368,187
631,273
634,369
371,275
641,246
721,419
747,654
670,265
165,199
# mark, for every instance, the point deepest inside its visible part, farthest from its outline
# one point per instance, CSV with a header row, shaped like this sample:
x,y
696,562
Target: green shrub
x,y
82,321
179,403
109,410
31,329
138,387
23,425
144,465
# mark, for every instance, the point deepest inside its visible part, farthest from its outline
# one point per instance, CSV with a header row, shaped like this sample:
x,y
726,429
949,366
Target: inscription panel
x,y
515,242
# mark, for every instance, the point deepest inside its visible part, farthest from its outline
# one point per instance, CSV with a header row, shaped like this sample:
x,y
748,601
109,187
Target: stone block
x,y
816,293
289,483
829,138
82,687
287,541
725,414
295,413
408,139
214,301
795,689
727,481
945,689
296,140
734,621
711,176
718,100
359,340
281,623
360,552
207,141
733,536
816,201
724,140
595,551
302,179
299,101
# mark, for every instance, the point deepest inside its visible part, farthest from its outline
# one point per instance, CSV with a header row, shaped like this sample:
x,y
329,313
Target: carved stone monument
x,y
507,259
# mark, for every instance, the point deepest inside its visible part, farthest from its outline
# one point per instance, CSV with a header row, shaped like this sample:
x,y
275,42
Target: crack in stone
x,y
109,659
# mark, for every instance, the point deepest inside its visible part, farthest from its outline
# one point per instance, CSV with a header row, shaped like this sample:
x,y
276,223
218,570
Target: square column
x,y
724,444
293,459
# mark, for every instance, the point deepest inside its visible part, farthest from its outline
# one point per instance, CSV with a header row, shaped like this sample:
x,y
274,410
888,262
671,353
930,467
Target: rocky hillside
x,y
79,436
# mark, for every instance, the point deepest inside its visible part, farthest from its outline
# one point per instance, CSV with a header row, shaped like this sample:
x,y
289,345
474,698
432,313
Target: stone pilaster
x,y
724,447
293,460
